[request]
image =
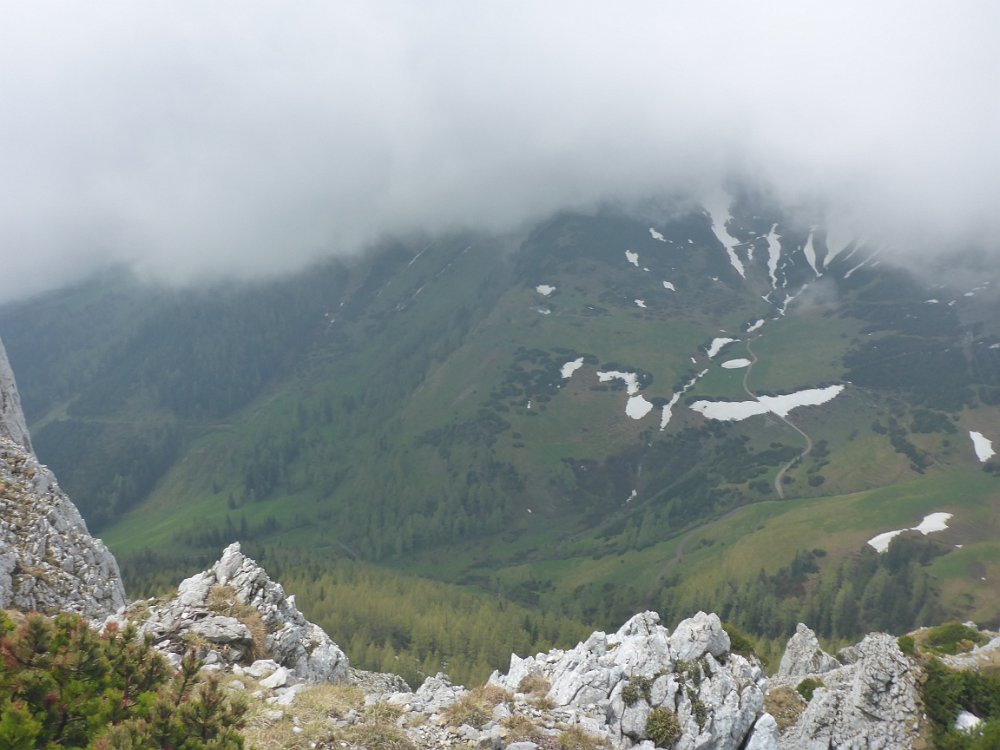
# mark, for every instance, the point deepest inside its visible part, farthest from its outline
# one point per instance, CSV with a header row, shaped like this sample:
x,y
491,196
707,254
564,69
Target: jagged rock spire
x,y
12,424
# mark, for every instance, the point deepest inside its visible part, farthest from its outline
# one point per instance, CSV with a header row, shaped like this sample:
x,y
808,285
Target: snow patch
x,y
982,445
668,408
966,721
773,255
736,364
638,407
718,211
716,346
656,235
545,289
640,303
880,542
755,326
810,252
791,298
930,524
933,522
543,311
734,411
668,285
569,368
632,257
932,302
630,379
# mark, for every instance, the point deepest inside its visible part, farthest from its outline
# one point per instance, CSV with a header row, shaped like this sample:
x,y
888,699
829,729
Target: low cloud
x,y
237,138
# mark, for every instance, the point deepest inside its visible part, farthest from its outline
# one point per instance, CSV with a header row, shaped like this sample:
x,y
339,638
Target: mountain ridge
x,y
413,397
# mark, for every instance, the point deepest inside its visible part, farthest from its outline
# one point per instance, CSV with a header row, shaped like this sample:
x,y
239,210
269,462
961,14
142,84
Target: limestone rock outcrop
x,y
870,702
12,423
614,682
49,562
236,613
803,656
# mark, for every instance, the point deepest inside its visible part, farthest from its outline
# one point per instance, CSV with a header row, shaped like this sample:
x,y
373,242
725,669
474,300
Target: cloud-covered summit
x,y
246,137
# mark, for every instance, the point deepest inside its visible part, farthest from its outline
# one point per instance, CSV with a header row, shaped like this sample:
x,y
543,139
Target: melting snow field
x,y
810,252
569,368
630,379
668,285
640,303
668,408
719,213
773,255
656,235
734,411
933,522
755,326
545,289
632,257
638,407
716,346
982,445
736,364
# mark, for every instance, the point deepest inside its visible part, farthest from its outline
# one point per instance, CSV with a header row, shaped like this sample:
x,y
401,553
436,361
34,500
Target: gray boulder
x,y
235,605
716,696
871,703
803,655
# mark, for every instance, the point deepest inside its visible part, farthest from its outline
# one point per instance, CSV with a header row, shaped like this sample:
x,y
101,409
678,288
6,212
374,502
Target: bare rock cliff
x,y
49,562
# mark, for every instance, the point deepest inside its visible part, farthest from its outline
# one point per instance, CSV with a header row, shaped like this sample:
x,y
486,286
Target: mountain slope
x,y
439,405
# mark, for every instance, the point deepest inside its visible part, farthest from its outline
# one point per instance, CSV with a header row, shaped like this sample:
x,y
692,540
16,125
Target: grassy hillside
x,y
412,409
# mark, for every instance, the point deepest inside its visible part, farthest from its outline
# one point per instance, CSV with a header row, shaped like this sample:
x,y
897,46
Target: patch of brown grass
x,y
475,708
325,700
379,737
222,599
576,739
785,705
534,684
382,713
522,729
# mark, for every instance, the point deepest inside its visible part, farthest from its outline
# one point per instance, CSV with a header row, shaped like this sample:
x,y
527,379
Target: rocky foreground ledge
x,y
643,686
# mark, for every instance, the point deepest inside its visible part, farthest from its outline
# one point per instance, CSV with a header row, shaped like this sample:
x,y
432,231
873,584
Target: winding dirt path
x,y
780,476
778,488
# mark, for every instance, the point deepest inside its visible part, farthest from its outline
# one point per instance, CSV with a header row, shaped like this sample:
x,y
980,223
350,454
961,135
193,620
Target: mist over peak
x,y
246,139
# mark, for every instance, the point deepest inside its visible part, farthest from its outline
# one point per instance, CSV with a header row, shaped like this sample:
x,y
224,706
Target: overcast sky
x,y
207,138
